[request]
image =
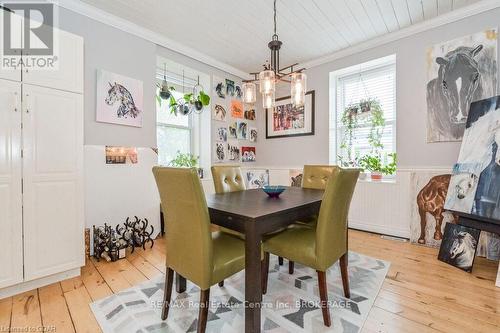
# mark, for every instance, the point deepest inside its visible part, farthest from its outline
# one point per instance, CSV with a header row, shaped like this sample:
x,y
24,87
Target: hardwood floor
x,y
419,294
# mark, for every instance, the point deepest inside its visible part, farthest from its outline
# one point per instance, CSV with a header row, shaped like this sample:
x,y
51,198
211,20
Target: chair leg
x,y
203,312
323,295
221,284
169,280
290,267
280,261
345,275
265,272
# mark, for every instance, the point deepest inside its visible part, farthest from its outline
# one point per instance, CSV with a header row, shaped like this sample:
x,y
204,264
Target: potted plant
x,y
182,160
373,163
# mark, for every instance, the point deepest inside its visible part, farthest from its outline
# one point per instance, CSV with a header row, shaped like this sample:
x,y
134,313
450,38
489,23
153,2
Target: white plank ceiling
x,y
236,32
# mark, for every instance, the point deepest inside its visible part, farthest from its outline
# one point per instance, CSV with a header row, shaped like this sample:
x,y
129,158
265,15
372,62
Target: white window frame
x,y
335,76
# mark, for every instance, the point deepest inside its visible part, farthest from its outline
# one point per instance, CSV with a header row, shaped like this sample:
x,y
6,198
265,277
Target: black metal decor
x,y
111,243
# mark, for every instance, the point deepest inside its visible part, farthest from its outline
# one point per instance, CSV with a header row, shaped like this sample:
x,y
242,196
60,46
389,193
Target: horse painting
x,y
459,246
450,94
430,200
459,72
463,250
127,107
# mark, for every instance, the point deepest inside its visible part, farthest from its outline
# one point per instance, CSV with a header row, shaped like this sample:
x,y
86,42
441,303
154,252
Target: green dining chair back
x,y
316,176
193,251
228,178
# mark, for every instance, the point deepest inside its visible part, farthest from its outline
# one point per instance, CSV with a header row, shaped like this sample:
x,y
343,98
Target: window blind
x,y
377,83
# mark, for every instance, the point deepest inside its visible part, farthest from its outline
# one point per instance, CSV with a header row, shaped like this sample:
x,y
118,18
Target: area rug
x,y
291,303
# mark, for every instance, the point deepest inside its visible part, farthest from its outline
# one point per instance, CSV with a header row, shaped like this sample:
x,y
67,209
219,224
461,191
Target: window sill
x,y
382,181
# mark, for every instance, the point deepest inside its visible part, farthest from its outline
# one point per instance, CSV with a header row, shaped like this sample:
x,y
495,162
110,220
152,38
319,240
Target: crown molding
x,y
453,16
134,29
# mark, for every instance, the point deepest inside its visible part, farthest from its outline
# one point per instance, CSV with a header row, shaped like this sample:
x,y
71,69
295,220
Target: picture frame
x,y
285,121
459,246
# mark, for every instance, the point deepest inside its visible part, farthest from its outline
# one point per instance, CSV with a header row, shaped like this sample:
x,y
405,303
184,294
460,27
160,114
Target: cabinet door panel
x,y
68,74
52,168
11,239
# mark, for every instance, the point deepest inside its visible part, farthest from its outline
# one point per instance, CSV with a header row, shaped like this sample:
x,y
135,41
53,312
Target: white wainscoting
x,y
383,207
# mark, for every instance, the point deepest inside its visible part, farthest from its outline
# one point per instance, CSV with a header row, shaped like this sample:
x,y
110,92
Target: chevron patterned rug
x,y
291,303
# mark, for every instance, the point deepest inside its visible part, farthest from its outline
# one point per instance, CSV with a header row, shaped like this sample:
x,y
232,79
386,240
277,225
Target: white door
x,y
52,181
11,224
67,73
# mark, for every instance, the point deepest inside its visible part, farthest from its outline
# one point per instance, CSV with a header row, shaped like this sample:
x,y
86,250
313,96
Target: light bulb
x,y
298,89
268,100
267,82
249,92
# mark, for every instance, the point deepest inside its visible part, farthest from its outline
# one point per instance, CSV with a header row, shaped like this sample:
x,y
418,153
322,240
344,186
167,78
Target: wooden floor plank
x,y
55,314
382,321
78,301
94,282
26,312
5,312
143,265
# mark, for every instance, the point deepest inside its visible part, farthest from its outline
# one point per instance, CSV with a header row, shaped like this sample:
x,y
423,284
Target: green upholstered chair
x,y
228,178
314,177
320,246
193,251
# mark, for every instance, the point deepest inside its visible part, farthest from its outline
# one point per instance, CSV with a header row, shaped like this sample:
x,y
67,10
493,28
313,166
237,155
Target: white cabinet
x,y
11,223
52,176
8,74
41,172
68,72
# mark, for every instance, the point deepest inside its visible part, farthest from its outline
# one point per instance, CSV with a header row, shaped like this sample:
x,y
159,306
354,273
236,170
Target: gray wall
x,y
412,148
122,53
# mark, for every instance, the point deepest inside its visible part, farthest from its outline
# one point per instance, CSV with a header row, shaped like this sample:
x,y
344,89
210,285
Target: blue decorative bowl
x,y
273,191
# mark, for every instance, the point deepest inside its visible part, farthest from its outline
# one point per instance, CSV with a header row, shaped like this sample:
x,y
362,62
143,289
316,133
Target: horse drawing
x,y
463,249
431,200
449,95
118,93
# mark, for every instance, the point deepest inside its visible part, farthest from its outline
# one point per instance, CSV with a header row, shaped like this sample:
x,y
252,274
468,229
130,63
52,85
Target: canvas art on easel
x,y
475,184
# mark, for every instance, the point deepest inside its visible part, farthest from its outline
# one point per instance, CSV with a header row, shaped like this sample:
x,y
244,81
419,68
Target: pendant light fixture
x,y
272,74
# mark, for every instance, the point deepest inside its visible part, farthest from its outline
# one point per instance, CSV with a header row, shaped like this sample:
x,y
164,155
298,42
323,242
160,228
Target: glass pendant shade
x,y
249,92
266,82
268,100
298,89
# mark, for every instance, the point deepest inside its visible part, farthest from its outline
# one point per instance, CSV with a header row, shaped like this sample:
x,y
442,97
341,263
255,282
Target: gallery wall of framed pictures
x,y
234,124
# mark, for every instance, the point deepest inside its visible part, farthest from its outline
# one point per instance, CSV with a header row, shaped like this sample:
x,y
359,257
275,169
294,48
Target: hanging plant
x,y
366,110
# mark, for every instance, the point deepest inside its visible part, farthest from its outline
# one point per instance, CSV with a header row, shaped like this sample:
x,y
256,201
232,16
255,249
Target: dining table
x,y
255,214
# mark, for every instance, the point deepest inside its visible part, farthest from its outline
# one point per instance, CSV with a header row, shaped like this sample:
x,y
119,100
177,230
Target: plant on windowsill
x,y
373,163
182,160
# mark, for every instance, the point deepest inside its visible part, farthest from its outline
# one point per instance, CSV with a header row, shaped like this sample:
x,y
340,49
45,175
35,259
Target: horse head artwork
x,y
118,93
458,83
463,249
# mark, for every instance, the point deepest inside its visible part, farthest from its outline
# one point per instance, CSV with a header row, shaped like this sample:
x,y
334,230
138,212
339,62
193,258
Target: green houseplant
x,y
185,104
377,168
182,160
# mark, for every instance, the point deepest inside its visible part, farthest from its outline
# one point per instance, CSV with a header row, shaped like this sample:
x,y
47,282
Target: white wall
x,y
412,148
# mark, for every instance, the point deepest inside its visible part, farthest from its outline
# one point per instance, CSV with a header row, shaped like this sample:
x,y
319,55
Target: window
x,y
174,133
373,81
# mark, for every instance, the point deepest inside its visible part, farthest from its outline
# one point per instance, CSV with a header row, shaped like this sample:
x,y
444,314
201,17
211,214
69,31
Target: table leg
x,y
180,283
253,280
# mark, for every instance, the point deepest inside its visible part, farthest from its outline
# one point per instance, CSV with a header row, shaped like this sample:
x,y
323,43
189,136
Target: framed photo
x,y
459,245
285,120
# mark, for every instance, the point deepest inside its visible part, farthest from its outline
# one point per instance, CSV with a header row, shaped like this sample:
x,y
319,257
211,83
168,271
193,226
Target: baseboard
x,y
384,230
38,283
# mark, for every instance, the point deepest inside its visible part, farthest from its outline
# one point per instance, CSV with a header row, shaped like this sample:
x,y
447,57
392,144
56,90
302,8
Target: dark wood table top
x,y
255,204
